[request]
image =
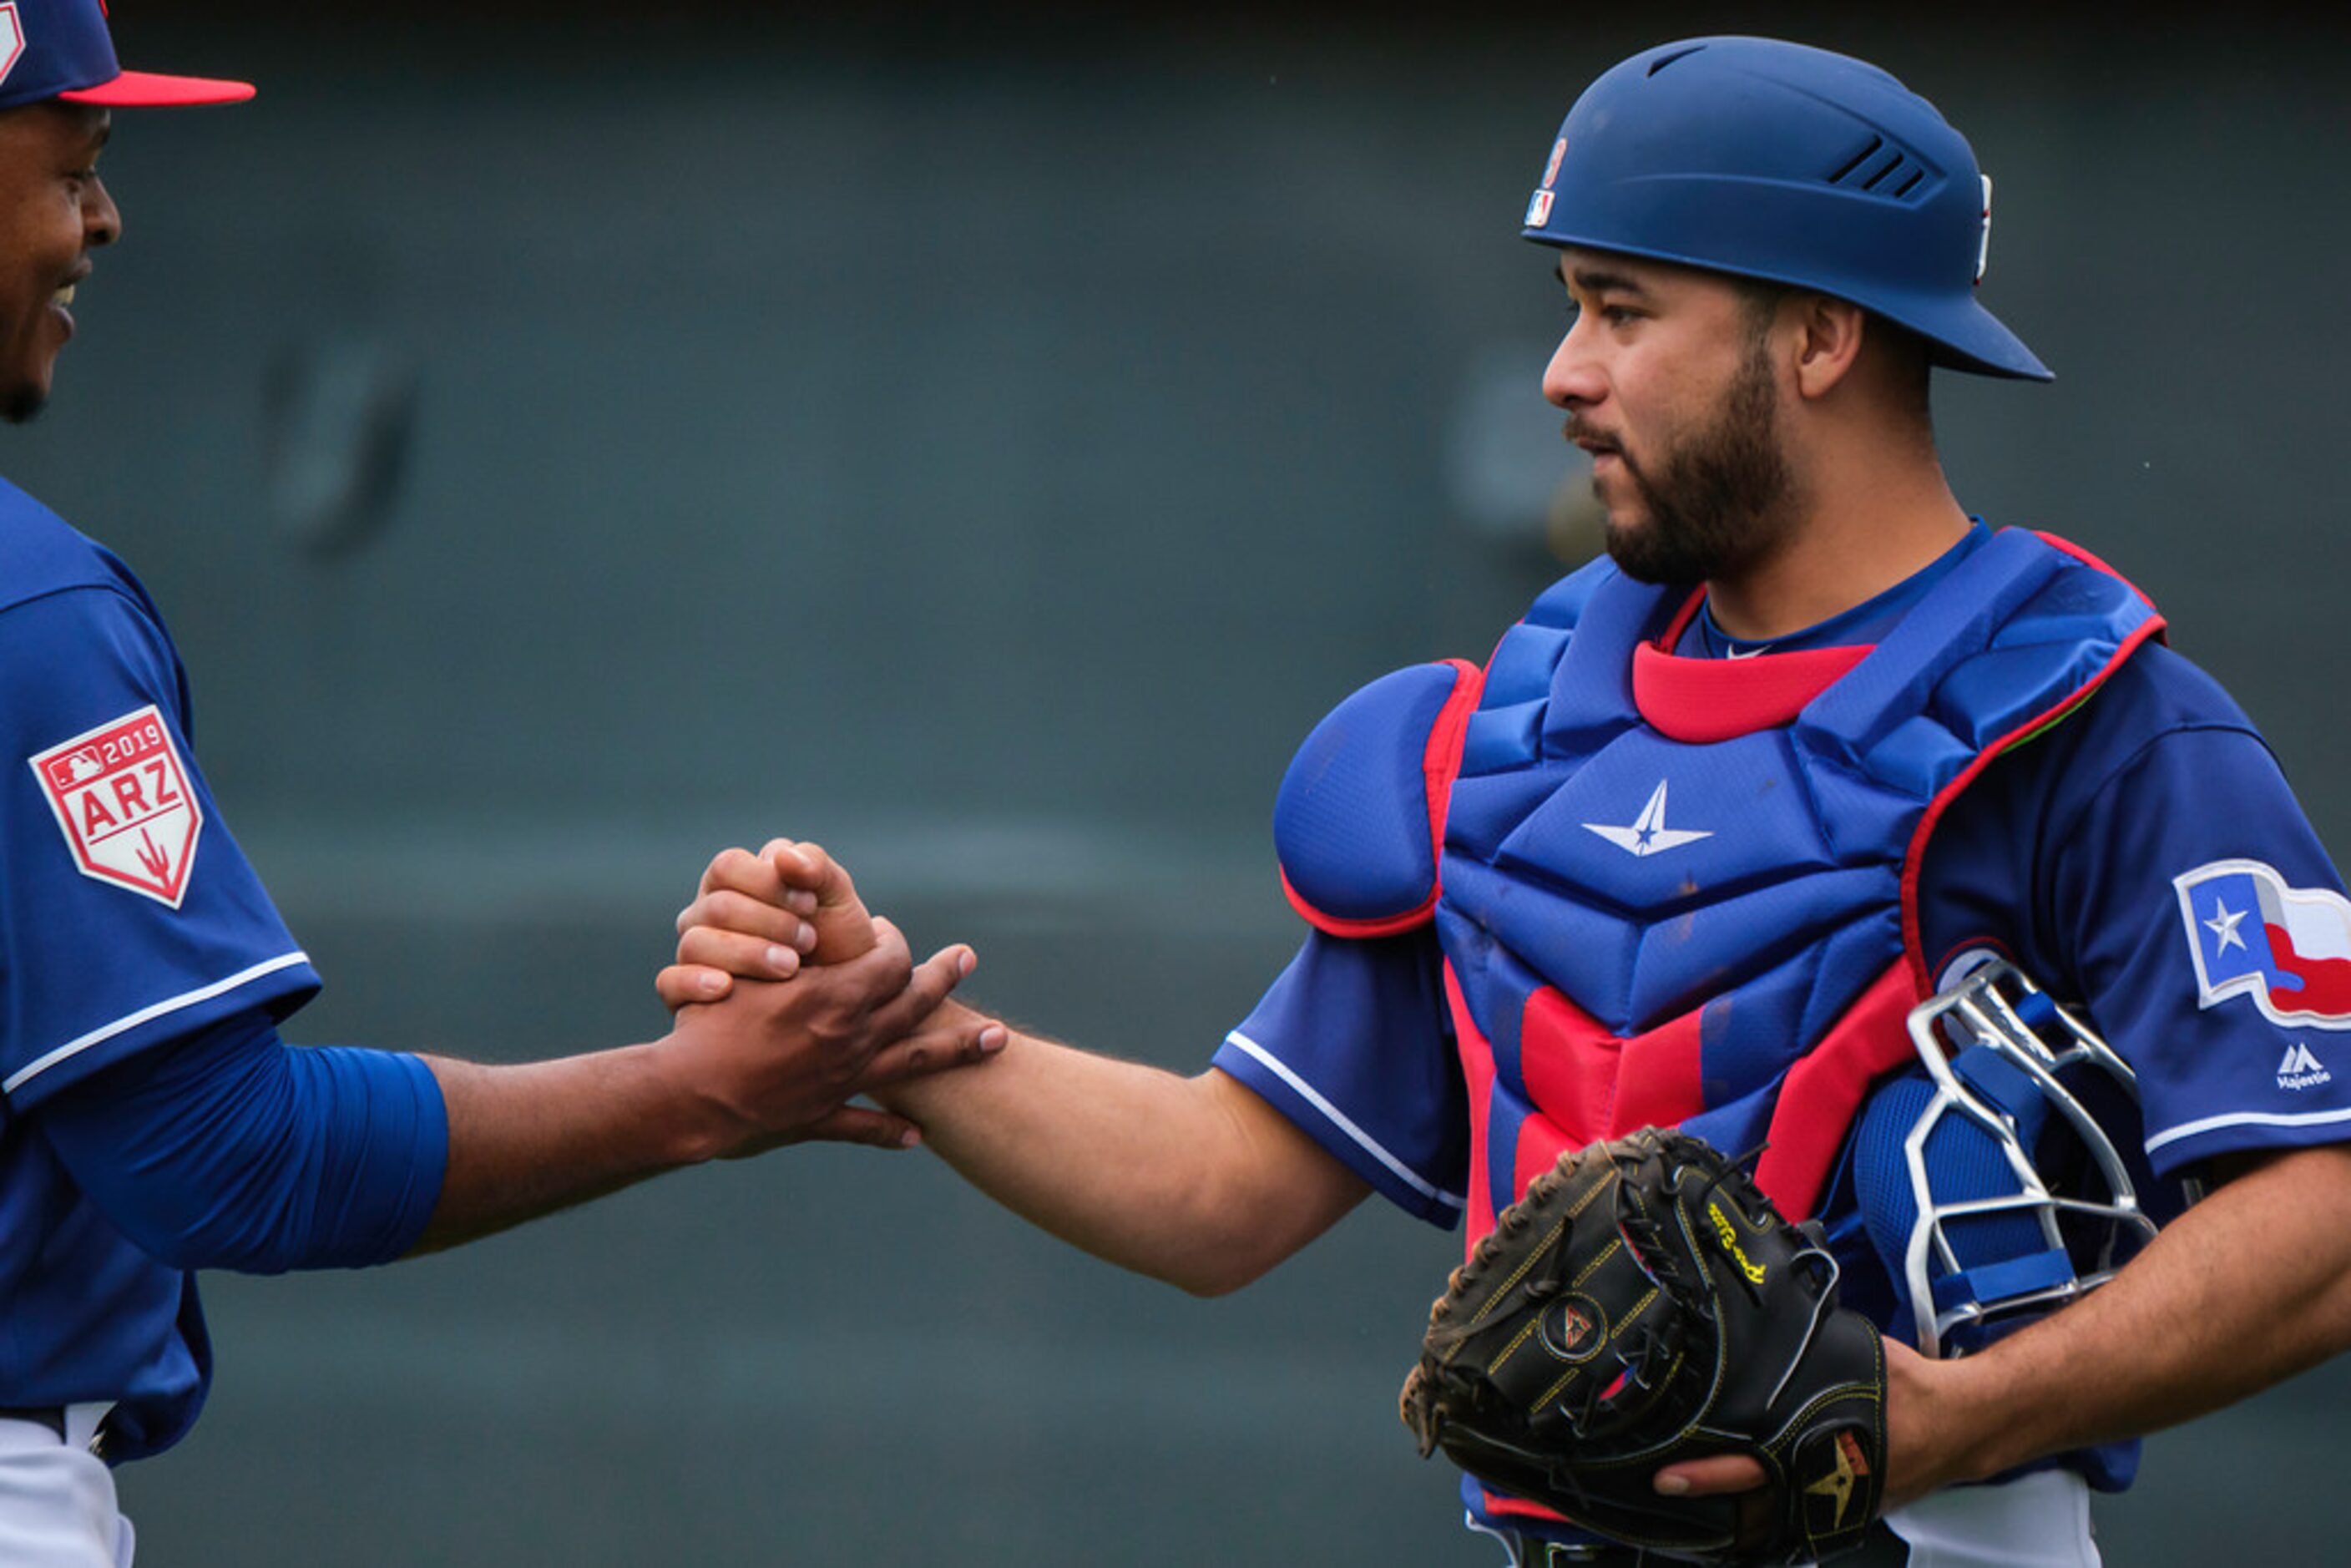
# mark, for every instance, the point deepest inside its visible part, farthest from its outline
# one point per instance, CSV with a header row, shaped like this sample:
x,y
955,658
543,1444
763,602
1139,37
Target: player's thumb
x,y
844,928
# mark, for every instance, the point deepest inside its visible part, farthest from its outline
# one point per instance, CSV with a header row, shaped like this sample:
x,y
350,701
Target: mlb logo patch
x,y
1539,209
120,794
2287,949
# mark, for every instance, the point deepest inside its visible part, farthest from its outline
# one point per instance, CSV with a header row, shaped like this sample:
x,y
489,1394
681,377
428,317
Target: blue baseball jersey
x,y
2145,857
128,919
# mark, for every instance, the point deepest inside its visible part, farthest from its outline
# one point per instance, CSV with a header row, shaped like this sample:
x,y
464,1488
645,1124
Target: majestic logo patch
x,y
2302,1069
11,39
121,793
1648,835
2288,948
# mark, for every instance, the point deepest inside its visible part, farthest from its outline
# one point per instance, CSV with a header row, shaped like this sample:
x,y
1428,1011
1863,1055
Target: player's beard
x,y
1716,501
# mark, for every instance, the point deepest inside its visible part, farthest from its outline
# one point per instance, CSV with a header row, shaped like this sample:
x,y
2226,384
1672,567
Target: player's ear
x,y
1828,335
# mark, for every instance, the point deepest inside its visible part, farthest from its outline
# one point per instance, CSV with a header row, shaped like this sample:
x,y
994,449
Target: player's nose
x,y
1573,379
101,220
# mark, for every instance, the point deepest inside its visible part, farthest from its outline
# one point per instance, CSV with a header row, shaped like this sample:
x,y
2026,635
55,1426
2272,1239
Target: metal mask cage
x,y
1999,1008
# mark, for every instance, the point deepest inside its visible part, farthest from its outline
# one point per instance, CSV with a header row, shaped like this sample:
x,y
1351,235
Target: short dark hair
x,y
1759,300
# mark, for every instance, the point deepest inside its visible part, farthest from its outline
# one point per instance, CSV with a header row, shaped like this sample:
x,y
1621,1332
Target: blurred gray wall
x,y
565,446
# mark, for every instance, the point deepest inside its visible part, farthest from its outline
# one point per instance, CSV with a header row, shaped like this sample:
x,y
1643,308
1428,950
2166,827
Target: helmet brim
x,y
148,89
1961,334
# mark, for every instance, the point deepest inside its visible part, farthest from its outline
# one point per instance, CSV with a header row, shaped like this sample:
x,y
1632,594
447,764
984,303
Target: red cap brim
x,y
145,89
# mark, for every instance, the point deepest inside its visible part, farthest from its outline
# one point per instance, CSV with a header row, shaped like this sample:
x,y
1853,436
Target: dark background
x,y
568,441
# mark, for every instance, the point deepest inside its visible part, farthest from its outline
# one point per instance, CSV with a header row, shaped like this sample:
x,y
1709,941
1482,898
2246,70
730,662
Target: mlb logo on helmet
x,y
61,49
2288,948
1538,204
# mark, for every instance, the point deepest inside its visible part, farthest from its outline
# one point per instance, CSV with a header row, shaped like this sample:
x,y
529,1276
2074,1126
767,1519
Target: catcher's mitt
x,y
1641,1305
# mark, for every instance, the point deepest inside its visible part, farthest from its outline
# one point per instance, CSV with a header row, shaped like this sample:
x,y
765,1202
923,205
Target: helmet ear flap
x,y
1988,1179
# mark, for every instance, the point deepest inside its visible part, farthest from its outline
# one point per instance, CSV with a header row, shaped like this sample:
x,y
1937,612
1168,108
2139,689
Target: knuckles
x,y
727,865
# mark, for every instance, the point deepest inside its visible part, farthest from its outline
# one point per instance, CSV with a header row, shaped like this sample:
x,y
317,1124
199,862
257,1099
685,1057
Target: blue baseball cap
x,y
61,49
1769,160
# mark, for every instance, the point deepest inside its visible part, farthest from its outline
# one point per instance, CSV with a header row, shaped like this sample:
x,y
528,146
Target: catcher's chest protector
x,y
1682,892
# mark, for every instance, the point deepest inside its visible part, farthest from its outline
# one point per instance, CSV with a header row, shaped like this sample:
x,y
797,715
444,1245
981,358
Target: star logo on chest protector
x,y
1648,835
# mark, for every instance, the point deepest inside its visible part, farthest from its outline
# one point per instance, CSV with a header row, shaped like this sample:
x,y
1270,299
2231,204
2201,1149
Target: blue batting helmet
x,y
1774,161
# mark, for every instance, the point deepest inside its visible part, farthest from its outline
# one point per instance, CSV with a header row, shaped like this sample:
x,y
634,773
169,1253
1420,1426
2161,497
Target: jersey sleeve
x,y
2213,944
1352,1044
230,1149
128,915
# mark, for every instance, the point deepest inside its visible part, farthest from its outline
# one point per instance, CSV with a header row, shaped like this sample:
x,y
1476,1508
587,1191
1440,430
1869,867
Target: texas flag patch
x,y
121,793
2288,948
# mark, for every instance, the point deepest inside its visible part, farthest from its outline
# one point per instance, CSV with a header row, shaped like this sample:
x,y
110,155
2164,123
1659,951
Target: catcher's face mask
x,y
1990,1183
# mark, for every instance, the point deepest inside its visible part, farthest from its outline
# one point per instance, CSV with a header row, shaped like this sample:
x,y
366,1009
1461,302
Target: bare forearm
x,y
769,1064
529,1139
1191,1180
2248,1287
1194,1180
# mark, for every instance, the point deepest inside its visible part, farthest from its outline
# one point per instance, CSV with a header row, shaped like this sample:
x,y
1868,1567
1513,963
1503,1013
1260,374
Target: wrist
x,y
919,1098
687,1125
1946,1425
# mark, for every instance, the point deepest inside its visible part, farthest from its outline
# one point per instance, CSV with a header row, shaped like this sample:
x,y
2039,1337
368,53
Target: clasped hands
x,y
831,1005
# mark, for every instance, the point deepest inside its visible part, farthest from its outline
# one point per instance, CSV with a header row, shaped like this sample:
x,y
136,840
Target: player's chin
x,y
1621,511
25,393
24,409
1624,534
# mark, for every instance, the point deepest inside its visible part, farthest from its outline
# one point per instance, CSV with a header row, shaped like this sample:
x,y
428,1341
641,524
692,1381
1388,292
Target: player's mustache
x,y
1590,437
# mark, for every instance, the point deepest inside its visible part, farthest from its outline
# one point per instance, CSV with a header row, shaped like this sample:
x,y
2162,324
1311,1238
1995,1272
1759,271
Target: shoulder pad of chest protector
x,y
1361,813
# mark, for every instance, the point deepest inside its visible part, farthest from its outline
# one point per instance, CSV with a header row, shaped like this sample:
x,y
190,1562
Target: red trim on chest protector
x,y
1701,701
1824,1090
1440,764
1478,1078
1590,1084
2067,546
1914,858
1585,1084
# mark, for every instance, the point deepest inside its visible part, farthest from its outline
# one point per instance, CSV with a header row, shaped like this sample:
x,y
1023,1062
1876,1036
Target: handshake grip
x,y
1644,1304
